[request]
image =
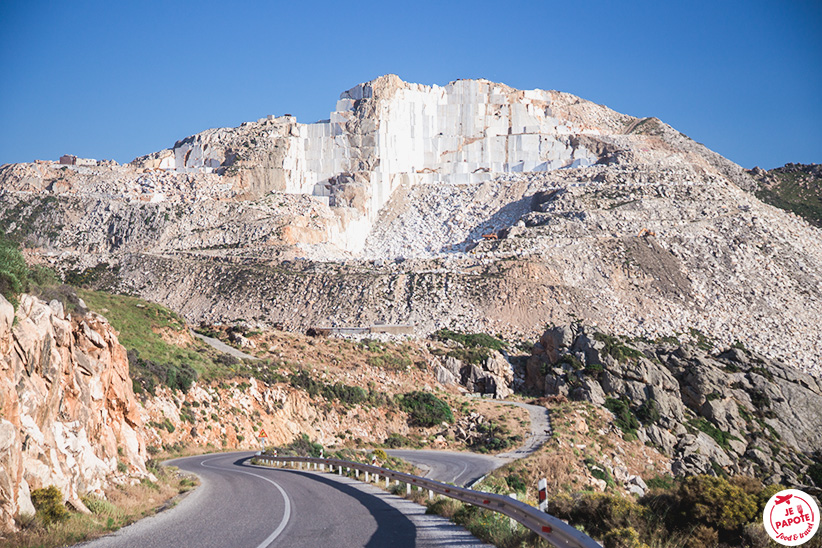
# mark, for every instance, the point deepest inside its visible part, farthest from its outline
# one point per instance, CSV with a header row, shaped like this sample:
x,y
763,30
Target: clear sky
x,y
119,79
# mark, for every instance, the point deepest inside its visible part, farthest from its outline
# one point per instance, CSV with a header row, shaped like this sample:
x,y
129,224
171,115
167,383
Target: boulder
x,y
661,439
444,375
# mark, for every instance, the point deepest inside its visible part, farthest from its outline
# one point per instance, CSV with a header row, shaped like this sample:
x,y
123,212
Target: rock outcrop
x,y
733,411
68,416
493,376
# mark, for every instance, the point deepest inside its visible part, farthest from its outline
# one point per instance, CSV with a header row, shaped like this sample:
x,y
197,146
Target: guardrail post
x,y
339,470
387,481
430,495
407,489
366,477
357,473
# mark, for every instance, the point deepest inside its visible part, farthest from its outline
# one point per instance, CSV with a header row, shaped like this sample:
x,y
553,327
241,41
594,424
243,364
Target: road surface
x,y
463,468
459,468
240,505
223,347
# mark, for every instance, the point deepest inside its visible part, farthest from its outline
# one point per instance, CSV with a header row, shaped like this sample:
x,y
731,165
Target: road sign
x,y
262,434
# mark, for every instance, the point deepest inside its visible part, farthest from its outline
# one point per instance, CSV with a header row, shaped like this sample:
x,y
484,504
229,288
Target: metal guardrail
x,y
555,531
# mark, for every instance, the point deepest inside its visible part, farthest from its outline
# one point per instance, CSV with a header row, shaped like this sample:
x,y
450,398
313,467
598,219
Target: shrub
x,y
625,419
13,270
616,349
395,440
648,412
350,395
717,503
470,340
301,446
381,455
49,504
425,409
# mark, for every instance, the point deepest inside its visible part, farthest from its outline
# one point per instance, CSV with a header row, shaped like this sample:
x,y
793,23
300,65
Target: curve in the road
x,y
241,505
464,468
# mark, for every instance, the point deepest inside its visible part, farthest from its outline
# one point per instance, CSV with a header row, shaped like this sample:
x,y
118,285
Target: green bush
x,y
625,419
717,503
395,440
147,374
350,395
617,350
49,504
425,409
470,340
301,446
13,270
648,412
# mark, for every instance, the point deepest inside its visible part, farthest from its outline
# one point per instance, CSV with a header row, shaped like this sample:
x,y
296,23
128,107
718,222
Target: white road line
x,y
286,511
464,466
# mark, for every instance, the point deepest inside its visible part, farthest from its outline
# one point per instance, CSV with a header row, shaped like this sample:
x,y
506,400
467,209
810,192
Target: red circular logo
x,y
791,517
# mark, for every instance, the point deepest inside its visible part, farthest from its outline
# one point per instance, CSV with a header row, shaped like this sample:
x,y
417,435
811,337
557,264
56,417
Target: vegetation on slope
x,y
794,187
16,276
55,525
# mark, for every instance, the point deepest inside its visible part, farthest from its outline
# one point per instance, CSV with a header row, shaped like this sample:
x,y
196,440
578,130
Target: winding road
x,y
241,505
465,469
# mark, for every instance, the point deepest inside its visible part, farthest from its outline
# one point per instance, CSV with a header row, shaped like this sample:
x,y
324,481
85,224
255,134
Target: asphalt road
x,y
450,466
462,468
240,505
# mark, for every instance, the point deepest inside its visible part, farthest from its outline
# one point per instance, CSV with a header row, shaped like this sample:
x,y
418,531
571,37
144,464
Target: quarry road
x,y
462,468
241,505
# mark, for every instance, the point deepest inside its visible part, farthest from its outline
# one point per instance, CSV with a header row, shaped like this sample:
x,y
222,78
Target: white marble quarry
x,y
395,132
386,133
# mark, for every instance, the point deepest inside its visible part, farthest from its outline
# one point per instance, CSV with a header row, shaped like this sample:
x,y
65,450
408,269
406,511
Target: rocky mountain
x,y
68,415
473,206
710,411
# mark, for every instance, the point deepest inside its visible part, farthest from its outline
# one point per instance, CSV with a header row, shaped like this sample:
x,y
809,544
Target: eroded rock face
x,y
69,415
732,410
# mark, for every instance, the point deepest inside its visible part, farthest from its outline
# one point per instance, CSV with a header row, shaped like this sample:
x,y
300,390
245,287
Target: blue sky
x,y
122,79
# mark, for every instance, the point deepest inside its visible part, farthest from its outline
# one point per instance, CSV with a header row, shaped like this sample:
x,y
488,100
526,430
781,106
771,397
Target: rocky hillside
x,y
710,411
471,206
68,415
793,187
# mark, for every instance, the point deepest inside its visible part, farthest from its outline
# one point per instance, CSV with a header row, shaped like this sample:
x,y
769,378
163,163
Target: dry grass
x,y
124,505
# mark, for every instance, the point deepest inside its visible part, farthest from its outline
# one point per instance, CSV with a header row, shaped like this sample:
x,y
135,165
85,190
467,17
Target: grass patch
x,y
141,327
719,436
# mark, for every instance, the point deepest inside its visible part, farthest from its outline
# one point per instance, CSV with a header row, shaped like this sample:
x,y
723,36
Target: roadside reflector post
x,y
543,494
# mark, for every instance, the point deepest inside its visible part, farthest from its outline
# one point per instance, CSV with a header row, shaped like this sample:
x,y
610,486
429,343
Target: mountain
x,y
473,206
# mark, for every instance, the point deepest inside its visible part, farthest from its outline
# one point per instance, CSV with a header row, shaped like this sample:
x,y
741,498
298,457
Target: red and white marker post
x,y
543,494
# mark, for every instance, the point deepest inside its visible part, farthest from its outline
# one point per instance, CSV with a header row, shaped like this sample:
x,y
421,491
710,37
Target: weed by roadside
x,y
55,525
